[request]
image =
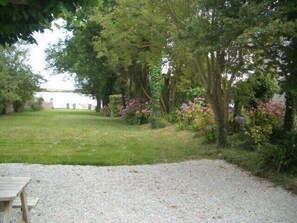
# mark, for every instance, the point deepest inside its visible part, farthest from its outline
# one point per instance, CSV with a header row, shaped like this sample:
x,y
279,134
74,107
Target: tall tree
x,y
208,36
274,43
134,31
205,37
76,55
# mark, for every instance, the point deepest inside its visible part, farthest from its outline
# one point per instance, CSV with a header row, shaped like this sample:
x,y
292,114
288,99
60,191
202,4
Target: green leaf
x,y
4,2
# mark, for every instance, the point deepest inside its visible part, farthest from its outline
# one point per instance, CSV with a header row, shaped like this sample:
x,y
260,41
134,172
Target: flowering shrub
x,y
264,120
199,117
138,111
257,125
267,113
239,119
106,110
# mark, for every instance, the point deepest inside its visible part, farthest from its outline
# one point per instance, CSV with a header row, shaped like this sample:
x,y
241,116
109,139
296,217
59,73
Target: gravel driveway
x,y
192,191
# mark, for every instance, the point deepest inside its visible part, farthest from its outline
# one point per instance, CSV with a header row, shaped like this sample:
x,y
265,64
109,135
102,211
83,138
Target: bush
x,y
138,111
172,117
34,105
199,117
106,110
270,109
260,123
115,105
281,157
242,140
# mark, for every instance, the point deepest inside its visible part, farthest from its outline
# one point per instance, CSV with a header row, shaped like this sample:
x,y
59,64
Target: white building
x,y
67,99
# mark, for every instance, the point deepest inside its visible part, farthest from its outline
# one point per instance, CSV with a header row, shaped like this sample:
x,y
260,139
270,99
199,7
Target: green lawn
x,y
87,138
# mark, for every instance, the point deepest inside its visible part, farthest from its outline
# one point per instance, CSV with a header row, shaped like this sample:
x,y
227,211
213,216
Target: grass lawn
x,y
87,138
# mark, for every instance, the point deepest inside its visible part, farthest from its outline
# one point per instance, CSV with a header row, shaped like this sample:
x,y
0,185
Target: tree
x,y
205,39
288,10
134,31
77,56
259,87
275,44
208,37
17,82
20,18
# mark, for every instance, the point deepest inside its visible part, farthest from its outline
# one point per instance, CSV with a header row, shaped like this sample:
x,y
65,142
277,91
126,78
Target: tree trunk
x,y
108,90
222,131
165,95
98,104
220,118
237,112
290,113
218,97
155,73
172,93
124,84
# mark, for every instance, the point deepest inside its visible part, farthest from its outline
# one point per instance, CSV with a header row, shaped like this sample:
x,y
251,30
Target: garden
x,y
190,80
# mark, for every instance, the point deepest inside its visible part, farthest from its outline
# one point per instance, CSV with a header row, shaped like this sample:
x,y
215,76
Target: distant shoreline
x,y
58,90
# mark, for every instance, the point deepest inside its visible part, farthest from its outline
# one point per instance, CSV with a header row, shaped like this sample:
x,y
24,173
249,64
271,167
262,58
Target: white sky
x,y
37,58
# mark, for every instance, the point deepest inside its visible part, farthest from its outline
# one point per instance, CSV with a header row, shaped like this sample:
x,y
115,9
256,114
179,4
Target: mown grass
x,y
86,138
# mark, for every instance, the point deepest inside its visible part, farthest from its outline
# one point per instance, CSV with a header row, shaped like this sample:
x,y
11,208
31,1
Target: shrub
x,y
281,157
34,104
138,111
262,122
106,110
268,113
242,140
115,104
199,117
172,117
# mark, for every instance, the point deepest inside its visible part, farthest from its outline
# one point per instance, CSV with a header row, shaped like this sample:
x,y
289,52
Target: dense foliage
x,y
214,41
76,55
20,18
114,107
199,117
138,111
17,82
236,54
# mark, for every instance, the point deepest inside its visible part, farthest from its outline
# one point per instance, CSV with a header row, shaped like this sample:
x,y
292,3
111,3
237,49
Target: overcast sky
x,y
37,58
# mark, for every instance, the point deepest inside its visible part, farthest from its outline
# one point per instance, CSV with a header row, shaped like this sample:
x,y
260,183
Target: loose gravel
x,y
192,191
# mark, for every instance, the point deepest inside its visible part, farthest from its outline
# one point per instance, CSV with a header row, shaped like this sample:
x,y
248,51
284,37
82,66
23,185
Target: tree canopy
x,y
208,43
18,83
20,18
77,56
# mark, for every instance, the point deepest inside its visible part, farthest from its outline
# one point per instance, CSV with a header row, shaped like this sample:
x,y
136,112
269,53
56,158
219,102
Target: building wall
x,y
67,100
279,98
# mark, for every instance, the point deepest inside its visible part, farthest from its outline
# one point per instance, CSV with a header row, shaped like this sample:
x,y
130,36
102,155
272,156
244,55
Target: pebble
x,y
192,191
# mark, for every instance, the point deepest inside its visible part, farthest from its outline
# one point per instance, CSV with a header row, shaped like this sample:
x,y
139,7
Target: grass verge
x,y
248,160
86,138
